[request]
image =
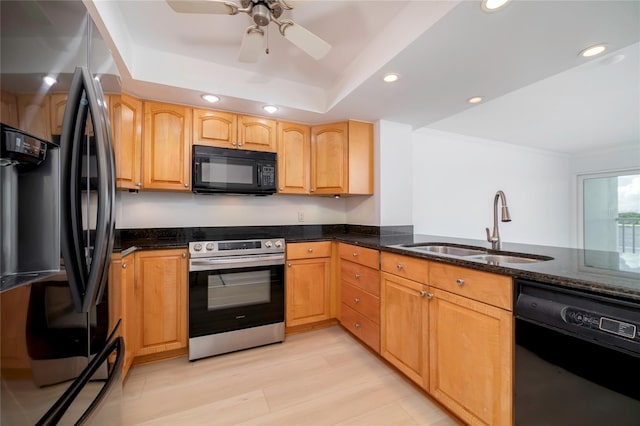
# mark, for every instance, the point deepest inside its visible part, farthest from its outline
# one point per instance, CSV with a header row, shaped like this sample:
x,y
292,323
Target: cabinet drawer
x,y
365,329
363,256
309,250
406,267
496,290
361,301
360,276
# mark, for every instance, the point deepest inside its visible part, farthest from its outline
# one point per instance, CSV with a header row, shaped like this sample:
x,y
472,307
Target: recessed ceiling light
x,y
390,78
493,5
49,81
475,100
593,50
210,98
270,108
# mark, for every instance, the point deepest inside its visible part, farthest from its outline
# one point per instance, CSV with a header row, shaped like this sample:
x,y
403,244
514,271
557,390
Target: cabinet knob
x,y
356,325
310,250
124,266
186,185
423,293
281,188
240,143
460,281
139,184
234,143
357,275
429,296
312,190
356,300
399,266
355,254
184,255
289,265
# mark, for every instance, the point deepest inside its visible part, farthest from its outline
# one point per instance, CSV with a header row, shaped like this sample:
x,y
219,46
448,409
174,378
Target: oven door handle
x,y
214,263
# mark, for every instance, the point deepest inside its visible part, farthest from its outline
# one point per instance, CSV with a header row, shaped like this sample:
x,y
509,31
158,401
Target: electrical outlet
x,y
300,216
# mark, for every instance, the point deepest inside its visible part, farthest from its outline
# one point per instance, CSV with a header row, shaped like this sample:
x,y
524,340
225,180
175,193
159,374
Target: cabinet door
x,y
471,358
294,156
404,311
215,128
129,294
256,133
308,295
167,146
360,158
33,115
329,155
162,303
9,109
126,122
57,103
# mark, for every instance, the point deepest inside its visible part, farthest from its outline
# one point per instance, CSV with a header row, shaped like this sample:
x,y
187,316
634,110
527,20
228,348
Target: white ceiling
x,y
523,60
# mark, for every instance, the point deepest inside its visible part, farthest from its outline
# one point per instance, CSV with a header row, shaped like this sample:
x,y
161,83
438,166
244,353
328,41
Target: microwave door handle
x,y
71,238
105,222
259,175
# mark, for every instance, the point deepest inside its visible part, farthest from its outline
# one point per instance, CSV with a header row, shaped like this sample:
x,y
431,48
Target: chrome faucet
x,y
494,238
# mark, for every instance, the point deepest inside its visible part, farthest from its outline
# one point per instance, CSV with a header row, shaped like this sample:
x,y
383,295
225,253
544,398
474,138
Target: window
x,y
610,215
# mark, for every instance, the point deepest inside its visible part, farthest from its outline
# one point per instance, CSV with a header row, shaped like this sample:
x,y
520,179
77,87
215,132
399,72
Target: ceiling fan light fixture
x,y
270,108
593,50
493,5
251,46
210,98
390,78
475,100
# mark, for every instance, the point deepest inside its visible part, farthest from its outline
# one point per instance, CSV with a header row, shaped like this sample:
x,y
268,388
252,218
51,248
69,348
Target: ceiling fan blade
x,y
305,40
203,6
252,43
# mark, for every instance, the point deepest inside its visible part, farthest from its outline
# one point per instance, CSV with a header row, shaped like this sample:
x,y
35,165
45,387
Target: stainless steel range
x,y
236,295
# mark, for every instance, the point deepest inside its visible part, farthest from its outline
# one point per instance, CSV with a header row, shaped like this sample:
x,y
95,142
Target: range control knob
x,y
209,246
278,243
197,247
268,244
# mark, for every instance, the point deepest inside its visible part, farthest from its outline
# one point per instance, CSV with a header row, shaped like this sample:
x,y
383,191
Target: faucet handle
x,y
489,235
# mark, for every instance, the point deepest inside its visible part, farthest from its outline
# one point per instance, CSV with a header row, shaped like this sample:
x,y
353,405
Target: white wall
x,y
455,179
168,209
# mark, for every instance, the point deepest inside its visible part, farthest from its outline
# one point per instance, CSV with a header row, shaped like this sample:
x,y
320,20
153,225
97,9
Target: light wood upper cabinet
x,y
308,283
161,276
256,133
229,130
167,147
215,128
126,123
33,115
57,104
471,358
9,108
342,158
294,157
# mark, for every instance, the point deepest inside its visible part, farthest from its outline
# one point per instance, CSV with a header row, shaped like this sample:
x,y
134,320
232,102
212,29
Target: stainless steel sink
x,y
445,249
497,259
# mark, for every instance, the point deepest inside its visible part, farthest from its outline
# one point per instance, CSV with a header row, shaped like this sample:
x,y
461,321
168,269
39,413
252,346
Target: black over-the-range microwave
x,y
233,171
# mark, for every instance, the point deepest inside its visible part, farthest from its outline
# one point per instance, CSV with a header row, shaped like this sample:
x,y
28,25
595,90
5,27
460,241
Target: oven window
x,y
227,173
232,289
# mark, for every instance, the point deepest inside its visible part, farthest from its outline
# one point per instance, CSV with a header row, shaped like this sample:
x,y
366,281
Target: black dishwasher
x,y
577,357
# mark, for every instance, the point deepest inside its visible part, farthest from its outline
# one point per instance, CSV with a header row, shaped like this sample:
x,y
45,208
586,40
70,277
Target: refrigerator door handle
x,y
57,411
87,271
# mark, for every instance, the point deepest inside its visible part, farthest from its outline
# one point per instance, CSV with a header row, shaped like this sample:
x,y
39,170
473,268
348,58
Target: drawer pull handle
x,y
310,250
399,266
357,275
355,254
460,281
423,293
356,325
356,300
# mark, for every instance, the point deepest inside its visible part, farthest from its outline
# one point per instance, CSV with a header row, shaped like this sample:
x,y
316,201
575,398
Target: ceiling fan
x,y
262,12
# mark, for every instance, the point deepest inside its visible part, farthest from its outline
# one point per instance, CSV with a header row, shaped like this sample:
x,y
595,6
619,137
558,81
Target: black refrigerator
x,y
60,350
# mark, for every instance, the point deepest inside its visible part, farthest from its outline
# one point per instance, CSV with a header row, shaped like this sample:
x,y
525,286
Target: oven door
x,y
237,294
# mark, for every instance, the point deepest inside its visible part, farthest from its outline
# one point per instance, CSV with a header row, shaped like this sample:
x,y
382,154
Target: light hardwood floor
x,y
322,377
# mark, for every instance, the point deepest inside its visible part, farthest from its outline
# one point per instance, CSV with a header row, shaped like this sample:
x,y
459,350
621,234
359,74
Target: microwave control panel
x,y
268,173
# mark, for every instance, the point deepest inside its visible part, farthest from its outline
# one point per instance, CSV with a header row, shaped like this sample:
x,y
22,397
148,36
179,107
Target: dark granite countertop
x,y
586,270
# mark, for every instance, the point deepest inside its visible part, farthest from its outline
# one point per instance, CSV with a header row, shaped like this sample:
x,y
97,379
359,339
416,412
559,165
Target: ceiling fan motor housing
x,y
261,14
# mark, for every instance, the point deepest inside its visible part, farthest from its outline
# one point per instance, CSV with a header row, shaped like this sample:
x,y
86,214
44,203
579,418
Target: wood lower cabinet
x,y
360,293
123,296
471,358
294,156
308,283
126,122
161,280
167,147
405,315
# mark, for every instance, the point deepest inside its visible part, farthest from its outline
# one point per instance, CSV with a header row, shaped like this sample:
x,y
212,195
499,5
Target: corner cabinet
x,y
342,158
161,280
167,147
294,157
308,283
228,130
126,122
123,303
